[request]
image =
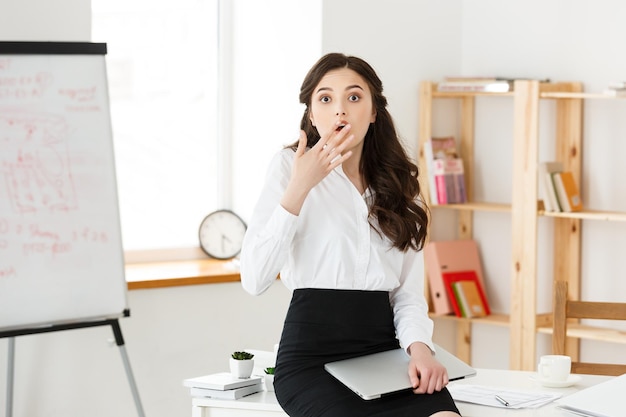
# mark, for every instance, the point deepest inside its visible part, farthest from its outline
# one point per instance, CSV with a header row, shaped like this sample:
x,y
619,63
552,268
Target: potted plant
x,y
241,364
269,378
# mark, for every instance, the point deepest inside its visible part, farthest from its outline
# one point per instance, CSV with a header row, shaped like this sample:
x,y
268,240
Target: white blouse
x,y
331,245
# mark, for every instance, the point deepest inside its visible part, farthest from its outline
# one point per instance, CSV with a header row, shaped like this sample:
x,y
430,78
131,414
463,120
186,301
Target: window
x,y
162,70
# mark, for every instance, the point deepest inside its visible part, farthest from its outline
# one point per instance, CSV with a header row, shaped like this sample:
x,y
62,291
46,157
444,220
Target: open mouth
x,y
341,126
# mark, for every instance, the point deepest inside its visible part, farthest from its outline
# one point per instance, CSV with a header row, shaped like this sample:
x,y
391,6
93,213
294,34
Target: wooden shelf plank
x,y
589,215
476,206
493,319
619,216
460,94
581,95
587,332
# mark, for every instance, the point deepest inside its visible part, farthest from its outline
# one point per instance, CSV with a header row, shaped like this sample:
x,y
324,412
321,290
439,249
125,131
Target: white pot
x,y
269,382
241,368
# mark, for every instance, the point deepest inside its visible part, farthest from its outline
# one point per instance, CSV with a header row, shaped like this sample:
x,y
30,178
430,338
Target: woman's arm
x,y
414,327
410,308
270,230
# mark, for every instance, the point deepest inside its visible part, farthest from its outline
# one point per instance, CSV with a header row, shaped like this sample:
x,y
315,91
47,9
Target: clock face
x,y
221,234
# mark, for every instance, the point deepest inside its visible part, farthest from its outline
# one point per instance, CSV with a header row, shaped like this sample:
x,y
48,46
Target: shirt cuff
x,y
282,224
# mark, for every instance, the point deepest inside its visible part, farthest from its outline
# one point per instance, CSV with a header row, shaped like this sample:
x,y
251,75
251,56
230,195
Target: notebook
x,y
378,374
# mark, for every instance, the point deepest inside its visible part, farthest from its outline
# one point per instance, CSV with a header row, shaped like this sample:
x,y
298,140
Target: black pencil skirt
x,y
327,325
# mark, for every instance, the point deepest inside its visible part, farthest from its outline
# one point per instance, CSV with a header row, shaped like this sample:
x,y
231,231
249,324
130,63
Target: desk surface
x,y
264,404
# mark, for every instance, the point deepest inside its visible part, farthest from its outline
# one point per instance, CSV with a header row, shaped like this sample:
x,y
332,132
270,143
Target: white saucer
x,y
571,380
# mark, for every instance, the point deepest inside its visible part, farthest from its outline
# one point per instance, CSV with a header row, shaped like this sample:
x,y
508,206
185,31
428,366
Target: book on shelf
x,y
221,381
546,184
229,394
616,89
567,191
449,280
480,84
449,256
617,85
468,297
449,180
437,148
476,86
615,92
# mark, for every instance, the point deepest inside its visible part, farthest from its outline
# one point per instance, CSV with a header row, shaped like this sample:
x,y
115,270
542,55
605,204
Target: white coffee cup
x,y
554,368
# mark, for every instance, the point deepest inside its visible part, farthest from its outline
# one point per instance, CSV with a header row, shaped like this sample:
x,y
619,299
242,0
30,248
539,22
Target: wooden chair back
x,y
565,309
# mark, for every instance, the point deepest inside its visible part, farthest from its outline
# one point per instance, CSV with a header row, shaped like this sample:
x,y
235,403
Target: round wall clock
x,y
221,234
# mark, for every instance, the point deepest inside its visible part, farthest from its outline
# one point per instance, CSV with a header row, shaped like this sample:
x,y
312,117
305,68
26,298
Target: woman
x,y
339,218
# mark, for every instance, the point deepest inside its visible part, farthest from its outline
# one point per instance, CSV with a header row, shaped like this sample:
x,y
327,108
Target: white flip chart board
x,y
61,255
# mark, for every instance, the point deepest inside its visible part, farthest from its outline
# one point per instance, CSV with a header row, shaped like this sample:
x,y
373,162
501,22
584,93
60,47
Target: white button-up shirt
x,y
331,244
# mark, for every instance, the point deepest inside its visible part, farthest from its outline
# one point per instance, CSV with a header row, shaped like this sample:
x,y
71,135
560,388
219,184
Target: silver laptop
x,y
372,376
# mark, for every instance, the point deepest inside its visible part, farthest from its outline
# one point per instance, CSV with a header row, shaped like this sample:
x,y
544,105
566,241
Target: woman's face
x,y
341,97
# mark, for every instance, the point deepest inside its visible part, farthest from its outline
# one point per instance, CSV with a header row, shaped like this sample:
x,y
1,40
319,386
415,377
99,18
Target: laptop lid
x,y
378,374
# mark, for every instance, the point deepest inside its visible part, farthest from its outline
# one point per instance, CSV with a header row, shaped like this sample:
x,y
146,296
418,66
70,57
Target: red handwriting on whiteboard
x,y
43,239
79,94
35,163
43,248
87,234
24,87
5,64
82,99
7,272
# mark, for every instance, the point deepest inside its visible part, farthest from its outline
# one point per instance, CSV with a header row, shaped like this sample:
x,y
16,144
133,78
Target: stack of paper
x,y
223,385
498,397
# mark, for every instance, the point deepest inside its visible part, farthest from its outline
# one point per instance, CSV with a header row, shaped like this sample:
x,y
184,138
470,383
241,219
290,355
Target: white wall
x,y
181,332
38,20
406,41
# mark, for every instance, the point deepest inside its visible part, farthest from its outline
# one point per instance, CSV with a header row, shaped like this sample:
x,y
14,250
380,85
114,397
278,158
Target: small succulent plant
x,y
242,356
270,370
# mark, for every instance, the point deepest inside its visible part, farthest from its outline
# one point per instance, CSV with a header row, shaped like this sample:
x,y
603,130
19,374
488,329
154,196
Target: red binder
x,y
451,277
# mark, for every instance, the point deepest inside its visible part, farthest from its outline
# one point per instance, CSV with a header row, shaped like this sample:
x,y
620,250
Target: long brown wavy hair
x,y
385,166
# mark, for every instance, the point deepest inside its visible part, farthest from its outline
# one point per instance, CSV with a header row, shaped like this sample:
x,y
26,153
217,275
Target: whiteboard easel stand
x,y
10,369
119,340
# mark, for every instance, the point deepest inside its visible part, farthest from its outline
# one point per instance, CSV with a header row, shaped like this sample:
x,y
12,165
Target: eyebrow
x,y
350,87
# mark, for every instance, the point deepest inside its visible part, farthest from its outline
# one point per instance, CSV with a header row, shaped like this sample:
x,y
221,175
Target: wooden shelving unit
x,y
524,322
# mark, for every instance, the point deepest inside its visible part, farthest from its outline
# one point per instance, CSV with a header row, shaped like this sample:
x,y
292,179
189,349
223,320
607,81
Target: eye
x,y
354,98
325,99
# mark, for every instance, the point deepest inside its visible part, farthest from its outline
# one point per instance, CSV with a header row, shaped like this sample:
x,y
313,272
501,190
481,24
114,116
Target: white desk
x,y
264,404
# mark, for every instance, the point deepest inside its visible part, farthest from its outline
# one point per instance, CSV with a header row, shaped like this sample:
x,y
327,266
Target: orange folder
x,y
449,256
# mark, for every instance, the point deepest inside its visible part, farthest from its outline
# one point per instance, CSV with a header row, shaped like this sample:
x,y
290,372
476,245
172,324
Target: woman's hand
x,y
312,166
427,375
